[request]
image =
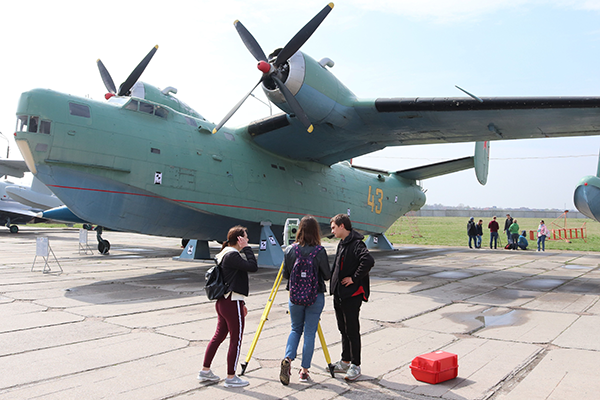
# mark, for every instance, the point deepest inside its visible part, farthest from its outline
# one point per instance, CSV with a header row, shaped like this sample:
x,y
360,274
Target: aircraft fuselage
x,y
136,165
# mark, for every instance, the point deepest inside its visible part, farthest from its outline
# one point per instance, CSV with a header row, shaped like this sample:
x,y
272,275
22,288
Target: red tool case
x,y
435,367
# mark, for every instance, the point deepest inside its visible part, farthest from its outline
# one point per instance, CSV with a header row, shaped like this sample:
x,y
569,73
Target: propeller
x,y
126,86
273,70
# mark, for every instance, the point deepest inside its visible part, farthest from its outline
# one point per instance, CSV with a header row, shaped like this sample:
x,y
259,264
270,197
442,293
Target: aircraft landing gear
x,y
103,245
12,228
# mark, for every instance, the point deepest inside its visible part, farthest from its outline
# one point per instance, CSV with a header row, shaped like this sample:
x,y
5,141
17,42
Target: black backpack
x,y
215,285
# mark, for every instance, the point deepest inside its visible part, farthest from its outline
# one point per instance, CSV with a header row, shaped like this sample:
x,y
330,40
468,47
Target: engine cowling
x,y
317,90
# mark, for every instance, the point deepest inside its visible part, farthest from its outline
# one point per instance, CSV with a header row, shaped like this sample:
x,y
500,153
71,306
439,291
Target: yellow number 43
x,y
375,203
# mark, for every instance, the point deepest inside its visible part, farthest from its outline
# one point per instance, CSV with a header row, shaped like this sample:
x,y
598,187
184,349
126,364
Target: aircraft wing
x,y
369,125
16,168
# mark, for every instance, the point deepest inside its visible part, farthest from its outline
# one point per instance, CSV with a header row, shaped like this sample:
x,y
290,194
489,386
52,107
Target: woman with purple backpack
x,y
306,267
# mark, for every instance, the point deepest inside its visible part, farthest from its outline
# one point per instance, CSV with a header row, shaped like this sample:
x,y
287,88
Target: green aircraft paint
x,y
145,162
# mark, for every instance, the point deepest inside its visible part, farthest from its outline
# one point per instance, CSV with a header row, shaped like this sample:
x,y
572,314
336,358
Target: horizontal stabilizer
x,y
16,168
438,169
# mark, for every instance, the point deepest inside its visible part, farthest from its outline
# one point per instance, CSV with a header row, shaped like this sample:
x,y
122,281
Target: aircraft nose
x,y
587,200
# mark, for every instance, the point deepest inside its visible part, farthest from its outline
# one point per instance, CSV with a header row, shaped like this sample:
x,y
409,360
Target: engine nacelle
x,y
317,90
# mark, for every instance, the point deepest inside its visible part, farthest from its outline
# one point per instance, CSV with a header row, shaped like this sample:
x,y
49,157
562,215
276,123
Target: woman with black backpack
x,y
237,259
306,267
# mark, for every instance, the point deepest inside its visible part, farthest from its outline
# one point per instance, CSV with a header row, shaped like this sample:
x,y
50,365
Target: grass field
x,y
452,231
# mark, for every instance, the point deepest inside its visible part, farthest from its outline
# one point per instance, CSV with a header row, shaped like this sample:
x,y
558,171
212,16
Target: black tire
x,y
14,229
88,227
104,246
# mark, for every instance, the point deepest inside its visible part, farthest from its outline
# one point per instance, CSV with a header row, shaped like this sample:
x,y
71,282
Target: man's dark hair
x,y
342,219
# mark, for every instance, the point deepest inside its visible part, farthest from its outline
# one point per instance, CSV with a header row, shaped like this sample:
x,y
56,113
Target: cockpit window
x,y
79,110
45,126
147,108
160,112
33,124
22,123
132,105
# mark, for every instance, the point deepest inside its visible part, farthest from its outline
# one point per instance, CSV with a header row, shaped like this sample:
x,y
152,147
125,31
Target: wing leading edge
x,y
369,125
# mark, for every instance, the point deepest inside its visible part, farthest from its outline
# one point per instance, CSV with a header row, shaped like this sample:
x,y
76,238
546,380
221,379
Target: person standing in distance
x,y
349,287
494,227
507,225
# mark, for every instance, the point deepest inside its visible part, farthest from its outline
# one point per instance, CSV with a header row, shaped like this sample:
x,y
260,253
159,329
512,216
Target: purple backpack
x,y
304,282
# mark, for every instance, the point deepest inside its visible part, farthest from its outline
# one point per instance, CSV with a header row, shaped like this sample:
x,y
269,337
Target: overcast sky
x,y
381,49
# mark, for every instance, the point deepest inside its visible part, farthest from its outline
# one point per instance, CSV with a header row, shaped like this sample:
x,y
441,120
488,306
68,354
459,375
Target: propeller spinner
x,y
125,88
274,70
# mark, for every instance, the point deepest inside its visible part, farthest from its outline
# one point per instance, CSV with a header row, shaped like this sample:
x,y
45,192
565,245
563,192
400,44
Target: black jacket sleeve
x,y
235,260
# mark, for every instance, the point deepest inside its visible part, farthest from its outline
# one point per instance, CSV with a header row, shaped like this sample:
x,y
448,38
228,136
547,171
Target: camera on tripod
x,y
290,230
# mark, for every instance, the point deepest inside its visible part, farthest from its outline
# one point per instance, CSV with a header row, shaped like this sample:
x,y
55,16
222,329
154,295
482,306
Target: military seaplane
x,y
144,161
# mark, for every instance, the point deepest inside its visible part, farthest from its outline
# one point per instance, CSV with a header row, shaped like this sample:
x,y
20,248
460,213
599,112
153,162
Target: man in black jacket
x,y
349,287
507,225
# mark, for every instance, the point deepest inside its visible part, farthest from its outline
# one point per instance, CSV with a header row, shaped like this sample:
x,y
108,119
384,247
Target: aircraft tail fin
x,y
479,161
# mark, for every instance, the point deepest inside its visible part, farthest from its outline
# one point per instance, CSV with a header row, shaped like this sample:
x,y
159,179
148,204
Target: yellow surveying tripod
x,y
265,316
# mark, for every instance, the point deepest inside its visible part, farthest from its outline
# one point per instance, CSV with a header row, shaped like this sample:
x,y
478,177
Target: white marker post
x,y
43,249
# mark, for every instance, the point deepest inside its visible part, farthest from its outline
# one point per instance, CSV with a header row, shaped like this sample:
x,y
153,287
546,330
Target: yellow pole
x,y
325,350
264,317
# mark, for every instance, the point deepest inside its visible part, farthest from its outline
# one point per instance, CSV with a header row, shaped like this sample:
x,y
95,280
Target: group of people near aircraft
x,y
306,267
516,238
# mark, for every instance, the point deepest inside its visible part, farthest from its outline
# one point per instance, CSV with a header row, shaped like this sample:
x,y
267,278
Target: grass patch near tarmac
x,y
452,231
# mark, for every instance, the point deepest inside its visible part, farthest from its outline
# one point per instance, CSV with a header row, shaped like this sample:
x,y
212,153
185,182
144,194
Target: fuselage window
x,y
191,122
79,110
161,112
45,126
33,124
146,108
22,123
132,105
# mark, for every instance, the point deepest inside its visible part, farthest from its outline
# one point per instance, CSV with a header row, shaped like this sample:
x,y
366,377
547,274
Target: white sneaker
x,y
236,381
353,373
207,376
340,367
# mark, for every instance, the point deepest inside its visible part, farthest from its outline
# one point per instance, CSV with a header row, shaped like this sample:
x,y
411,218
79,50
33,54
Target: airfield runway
x,y
134,324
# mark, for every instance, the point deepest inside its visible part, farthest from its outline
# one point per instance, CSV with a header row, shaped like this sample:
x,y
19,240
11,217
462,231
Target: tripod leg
x,y
263,318
325,350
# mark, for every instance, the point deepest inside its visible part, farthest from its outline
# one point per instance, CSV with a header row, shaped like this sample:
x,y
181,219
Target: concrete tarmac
x,y
134,324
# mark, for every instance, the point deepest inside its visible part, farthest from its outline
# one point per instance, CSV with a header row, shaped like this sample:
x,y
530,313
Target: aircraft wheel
x,y
103,246
184,242
14,229
88,227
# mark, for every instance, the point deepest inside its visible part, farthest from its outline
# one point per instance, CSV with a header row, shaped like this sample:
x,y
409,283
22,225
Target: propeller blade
x,y
296,107
234,109
137,72
302,36
251,43
106,78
